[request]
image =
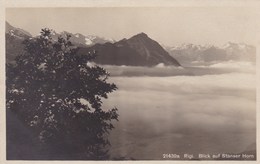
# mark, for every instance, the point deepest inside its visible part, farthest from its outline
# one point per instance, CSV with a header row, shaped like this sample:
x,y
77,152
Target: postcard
x,y
130,81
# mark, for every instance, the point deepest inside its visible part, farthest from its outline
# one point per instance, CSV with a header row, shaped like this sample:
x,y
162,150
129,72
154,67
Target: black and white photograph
x,y
122,83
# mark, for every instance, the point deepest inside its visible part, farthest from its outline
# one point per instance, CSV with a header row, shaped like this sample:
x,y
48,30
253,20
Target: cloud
x,y
215,113
234,64
162,71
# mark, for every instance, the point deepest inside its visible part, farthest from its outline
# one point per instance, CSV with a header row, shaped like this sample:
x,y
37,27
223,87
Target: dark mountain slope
x,y
13,41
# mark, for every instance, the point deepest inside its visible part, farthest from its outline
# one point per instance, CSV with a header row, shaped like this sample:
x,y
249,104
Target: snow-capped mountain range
x,y
82,40
227,46
185,54
77,39
188,54
185,46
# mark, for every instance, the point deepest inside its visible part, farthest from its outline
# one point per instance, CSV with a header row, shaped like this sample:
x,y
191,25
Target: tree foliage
x,y
58,94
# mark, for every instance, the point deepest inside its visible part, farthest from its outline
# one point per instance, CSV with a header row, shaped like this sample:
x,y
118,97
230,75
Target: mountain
x,y
82,40
139,50
16,32
240,51
190,54
14,38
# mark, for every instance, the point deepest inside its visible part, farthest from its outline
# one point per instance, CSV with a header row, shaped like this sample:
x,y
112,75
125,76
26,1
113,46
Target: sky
x,y
168,25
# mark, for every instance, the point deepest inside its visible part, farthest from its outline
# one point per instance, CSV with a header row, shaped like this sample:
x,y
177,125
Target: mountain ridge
x,y
81,40
16,32
188,54
139,50
13,41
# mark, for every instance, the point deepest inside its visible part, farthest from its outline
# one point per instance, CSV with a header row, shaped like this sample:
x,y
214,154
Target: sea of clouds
x,y
210,109
162,70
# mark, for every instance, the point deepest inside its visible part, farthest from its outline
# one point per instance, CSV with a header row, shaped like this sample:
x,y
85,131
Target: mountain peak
x,y
139,50
142,34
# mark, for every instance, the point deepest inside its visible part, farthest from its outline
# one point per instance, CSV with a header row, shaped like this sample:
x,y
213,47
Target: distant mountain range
x,y
82,40
190,54
139,50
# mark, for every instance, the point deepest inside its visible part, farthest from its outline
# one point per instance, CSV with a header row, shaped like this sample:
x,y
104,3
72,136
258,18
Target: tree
x,y
58,95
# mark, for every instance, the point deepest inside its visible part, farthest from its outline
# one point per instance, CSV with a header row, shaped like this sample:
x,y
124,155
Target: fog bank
x,y
211,113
